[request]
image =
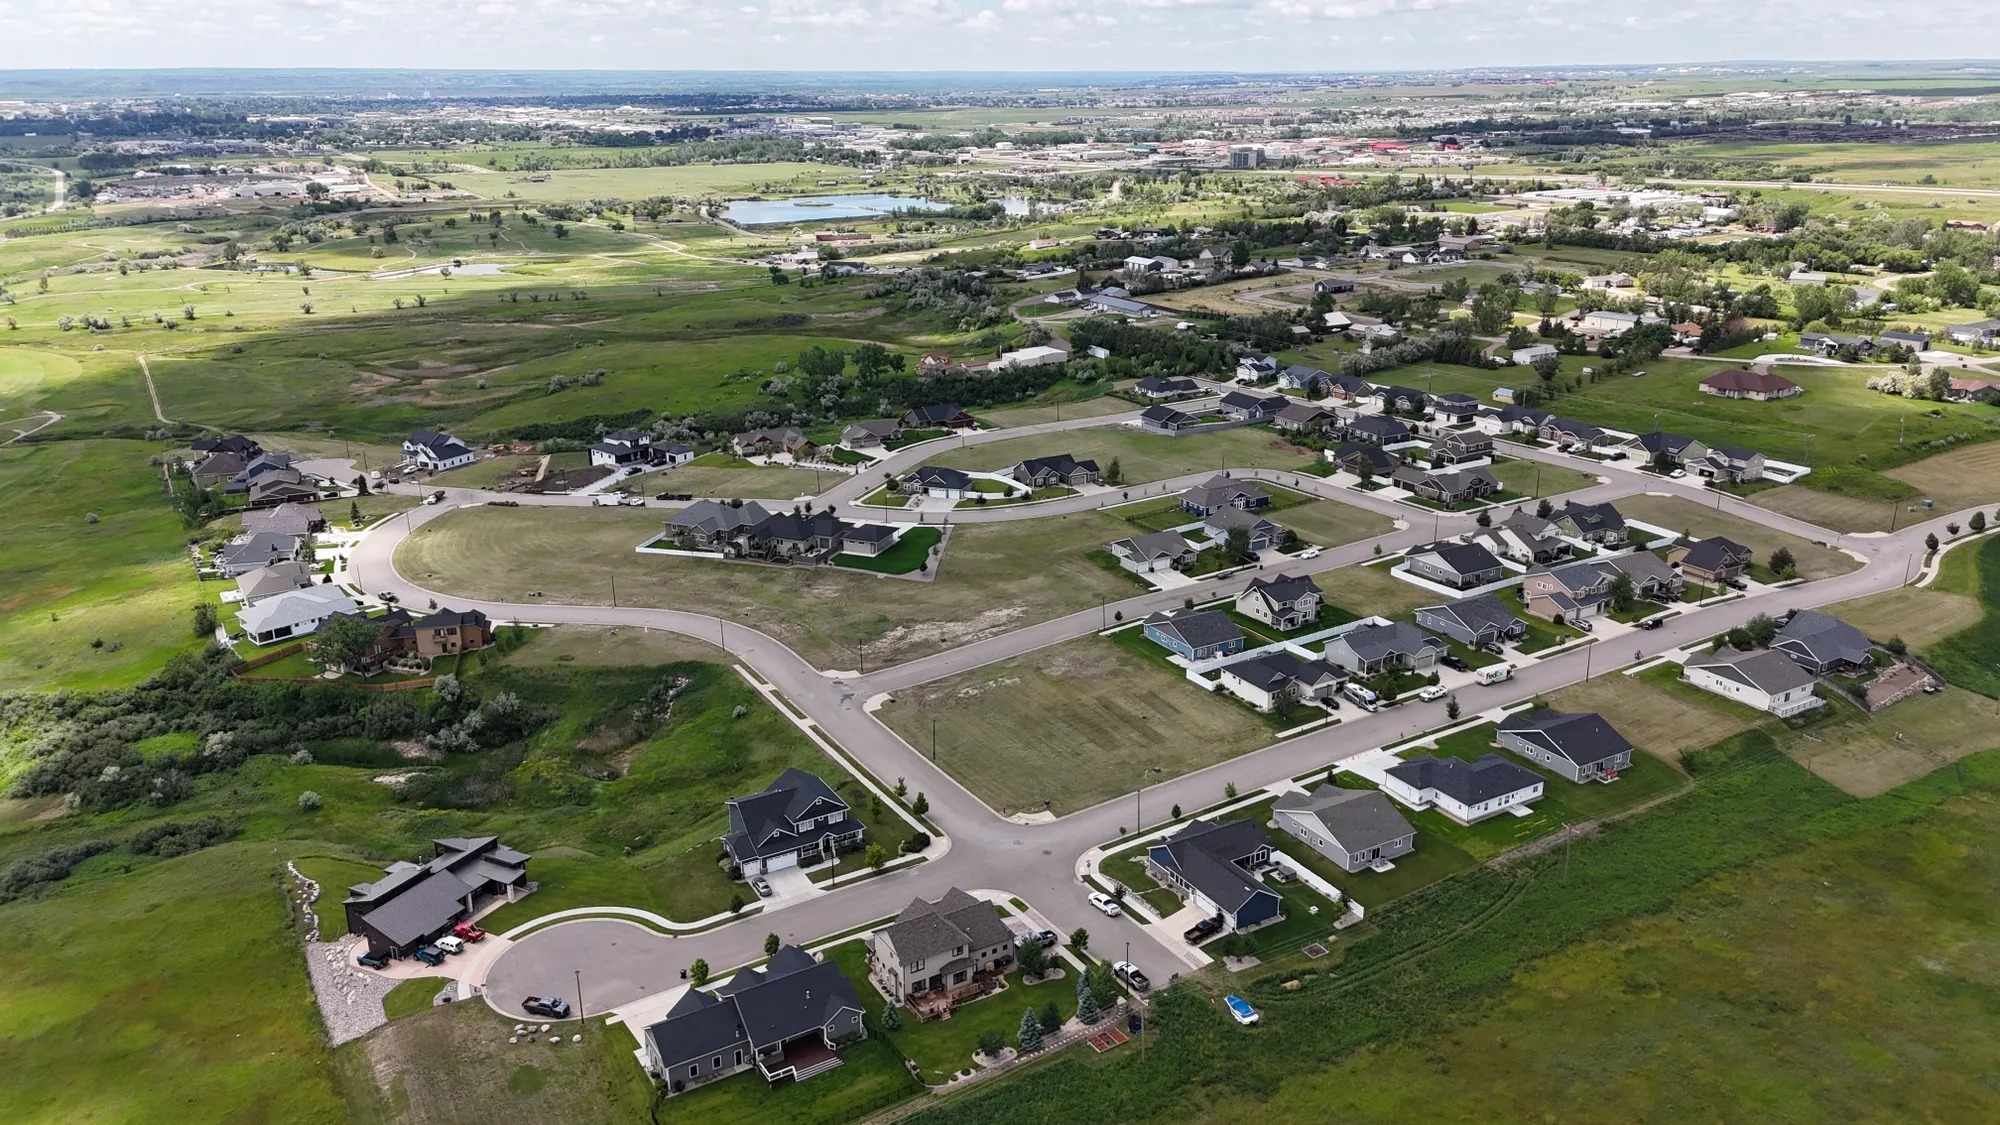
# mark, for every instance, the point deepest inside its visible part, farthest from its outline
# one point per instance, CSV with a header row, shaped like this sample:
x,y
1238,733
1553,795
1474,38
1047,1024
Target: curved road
x,y
1040,859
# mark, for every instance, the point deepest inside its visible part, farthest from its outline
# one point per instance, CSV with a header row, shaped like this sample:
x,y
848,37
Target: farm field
x,y
1680,514
1041,728
992,578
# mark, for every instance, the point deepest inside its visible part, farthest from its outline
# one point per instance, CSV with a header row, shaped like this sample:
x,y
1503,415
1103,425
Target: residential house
x,y
1255,368
1445,486
1260,534
1370,649
1284,602
261,549
707,525
1332,287
434,452
1041,355
1605,322
441,632
937,953
796,821
772,441
1304,417
1377,429
1761,386
939,416
1679,451
1765,679
218,468
1358,829
1244,406
1731,463
1481,621
1566,433
1823,644
1196,635
1712,561
1349,389
1515,420
1209,865
1977,334
236,444
1458,446
301,520
868,539
1056,470
1166,420
1143,264
1119,305
1154,550
1403,400
414,904
1961,389
1915,339
1524,357
1157,388
940,483
1461,566
1830,344
1265,680
785,1020
1455,408
1301,379
1687,334
1220,491
1593,523
1523,538
1363,459
871,434
791,537
622,447
1581,746
1467,792
1608,281
253,586
282,486
293,613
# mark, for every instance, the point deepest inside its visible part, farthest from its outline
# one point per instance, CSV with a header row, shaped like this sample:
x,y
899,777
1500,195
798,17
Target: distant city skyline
x,y
980,35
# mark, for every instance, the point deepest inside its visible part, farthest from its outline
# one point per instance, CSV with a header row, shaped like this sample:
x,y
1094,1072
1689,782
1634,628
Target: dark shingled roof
x,y
1584,738
1198,630
1356,819
1207,853
1468,783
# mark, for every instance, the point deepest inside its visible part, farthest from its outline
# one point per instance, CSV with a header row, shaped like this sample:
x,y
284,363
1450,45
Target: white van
x,y
1366,699
1495,673
451,944
606,500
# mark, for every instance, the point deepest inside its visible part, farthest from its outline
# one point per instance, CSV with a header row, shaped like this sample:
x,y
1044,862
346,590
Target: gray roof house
x,y
413,904
939,482
1209,866
1156,387
1822,644
1249,407
1592,523
1762,678
1358,829
260,549
1445,486
946,950
1369,649
1055,469
281,577
1377,429
1465,791
1303,417
783,1019
1461,566
796,820
1263,679
1195,634
1220,491
1477,621
1581,747
863,435
286,519
1154,550
1165,419
1260,532
1281,601
707,524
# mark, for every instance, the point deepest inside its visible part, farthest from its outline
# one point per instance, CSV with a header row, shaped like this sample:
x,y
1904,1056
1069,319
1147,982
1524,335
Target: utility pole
x,y
614,591
580,1021
933,739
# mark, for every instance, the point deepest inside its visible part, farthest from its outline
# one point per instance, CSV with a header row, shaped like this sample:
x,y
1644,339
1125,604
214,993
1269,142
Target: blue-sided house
x,y
1209,865
1197,636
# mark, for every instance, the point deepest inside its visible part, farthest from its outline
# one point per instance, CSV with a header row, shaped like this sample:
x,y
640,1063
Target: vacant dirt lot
x,y
1046,727
1872,754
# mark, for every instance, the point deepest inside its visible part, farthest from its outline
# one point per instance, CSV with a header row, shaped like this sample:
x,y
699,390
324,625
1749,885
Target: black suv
x,y
550,1006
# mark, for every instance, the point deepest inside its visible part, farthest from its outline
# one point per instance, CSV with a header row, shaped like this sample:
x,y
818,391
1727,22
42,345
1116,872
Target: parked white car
x,y
1430,693
451,943
1309,553
1106,904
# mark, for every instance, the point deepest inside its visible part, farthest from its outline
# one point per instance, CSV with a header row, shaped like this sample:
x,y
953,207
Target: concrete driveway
x,y
621,962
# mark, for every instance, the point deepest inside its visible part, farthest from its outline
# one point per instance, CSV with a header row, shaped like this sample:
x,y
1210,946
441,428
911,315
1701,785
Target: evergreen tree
x,y
891,1020
1086,1002
1051,1016
1030,1036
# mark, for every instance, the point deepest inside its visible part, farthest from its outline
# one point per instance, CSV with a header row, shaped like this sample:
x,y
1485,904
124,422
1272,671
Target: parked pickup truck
x,y
1203,930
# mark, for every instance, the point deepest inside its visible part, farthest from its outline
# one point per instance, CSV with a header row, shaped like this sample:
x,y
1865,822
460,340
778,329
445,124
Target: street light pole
x,y
1138,798
933,739
580,1021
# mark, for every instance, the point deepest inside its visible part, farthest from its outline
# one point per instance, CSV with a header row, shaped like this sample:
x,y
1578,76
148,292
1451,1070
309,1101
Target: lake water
x,y
820,208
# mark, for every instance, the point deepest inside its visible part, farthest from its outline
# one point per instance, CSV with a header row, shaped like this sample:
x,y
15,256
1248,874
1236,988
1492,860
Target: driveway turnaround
x,y
620,962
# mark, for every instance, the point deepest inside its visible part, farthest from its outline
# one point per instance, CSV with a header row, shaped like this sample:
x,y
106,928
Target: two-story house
x,y
938,954
1284,602
795,821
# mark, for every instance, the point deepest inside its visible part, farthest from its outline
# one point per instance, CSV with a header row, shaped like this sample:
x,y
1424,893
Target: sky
x,y
978,35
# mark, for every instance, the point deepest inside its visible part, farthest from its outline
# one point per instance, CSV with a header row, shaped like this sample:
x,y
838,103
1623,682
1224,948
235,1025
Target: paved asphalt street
x,y
1038,861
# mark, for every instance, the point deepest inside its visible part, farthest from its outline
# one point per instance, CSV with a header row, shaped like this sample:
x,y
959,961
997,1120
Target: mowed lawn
x,y
1659,722
1967,477
175,993
1678,514
993,578
90,604
1849,980
723,477
1071,725
1536,480
1870,754
1141,456
1371,590
1919,615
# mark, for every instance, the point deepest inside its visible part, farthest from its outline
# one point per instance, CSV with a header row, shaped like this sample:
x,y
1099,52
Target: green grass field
x,y
1141,456
1684,515
1040,728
